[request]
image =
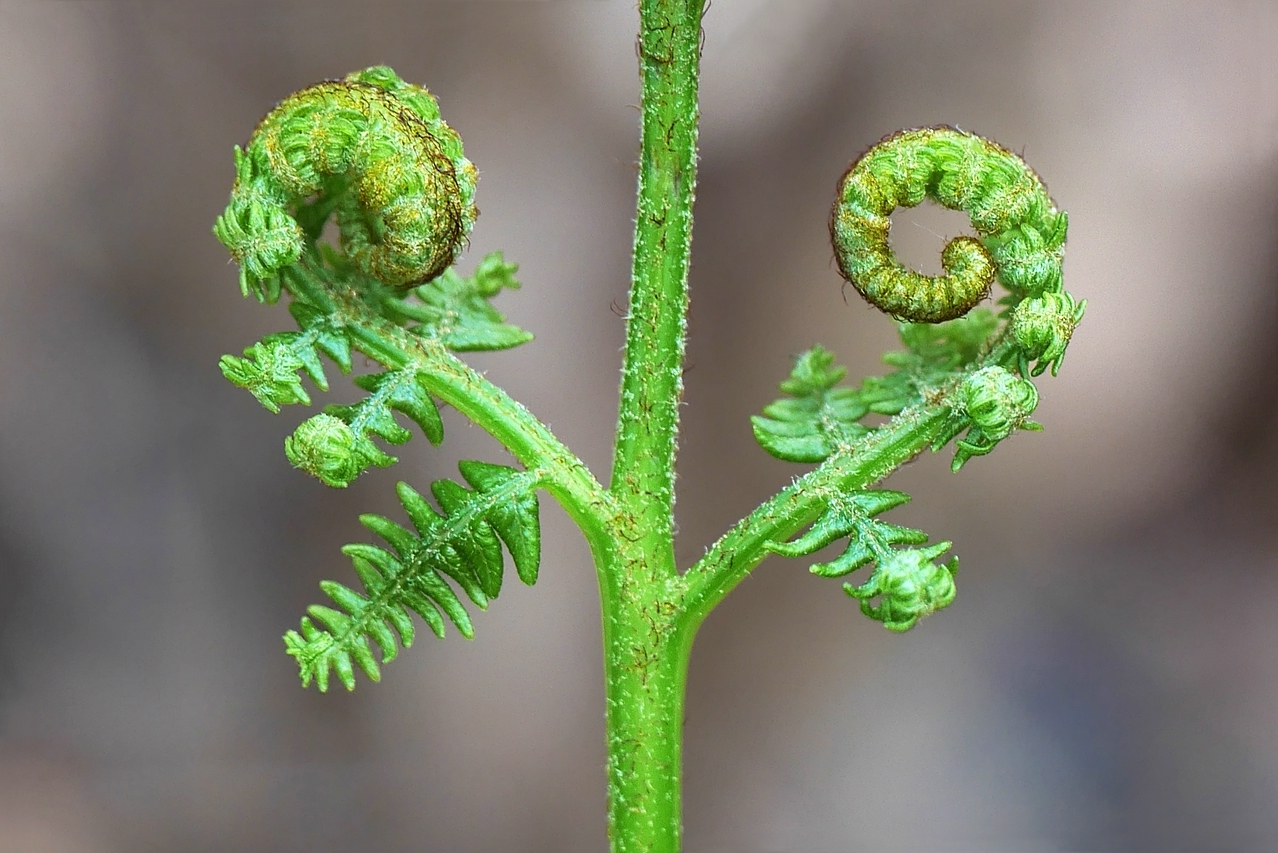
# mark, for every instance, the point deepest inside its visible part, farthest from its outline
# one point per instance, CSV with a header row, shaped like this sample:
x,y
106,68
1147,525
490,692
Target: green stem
x,y
567,479
647,643
742,548
652,375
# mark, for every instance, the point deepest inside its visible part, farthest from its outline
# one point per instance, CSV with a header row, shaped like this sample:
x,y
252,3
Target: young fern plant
x,y
372,152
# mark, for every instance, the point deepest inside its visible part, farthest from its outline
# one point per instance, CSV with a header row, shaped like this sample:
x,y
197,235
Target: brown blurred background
x,y
1107,679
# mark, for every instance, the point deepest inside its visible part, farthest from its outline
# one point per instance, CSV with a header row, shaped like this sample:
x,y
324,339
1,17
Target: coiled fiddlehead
x,y
960,365
370,148
1022,233
990,404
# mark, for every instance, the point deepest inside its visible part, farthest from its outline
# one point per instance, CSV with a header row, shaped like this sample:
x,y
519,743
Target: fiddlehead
x,y
1022,233
370,148
372,151
990,404
956,375
1042,327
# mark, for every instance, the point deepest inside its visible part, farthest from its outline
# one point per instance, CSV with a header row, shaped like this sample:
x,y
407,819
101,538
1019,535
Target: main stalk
x,y
647,639
652,377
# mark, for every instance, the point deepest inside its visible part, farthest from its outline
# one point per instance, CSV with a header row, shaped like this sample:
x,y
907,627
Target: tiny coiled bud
x,y
324,447
1022,233
995,402
1042,327
403,191
910,586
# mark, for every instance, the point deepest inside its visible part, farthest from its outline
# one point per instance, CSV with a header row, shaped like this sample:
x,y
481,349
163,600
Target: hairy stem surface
x,y
646,645
652,381
646,650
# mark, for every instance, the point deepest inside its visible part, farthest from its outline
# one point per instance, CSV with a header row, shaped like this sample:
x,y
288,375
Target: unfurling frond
x,y
934,355
456,310
372,152
906,581
460,541
990,404
817,418
337,447
375,152
1042,327
1022,233
820,417
269,369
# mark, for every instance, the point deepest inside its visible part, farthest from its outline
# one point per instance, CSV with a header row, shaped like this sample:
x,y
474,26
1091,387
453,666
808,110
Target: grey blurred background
x,y
1107,679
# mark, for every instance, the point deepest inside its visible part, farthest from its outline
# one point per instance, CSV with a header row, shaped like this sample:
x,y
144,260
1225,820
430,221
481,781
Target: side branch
x,y
450,379
565,476
738,551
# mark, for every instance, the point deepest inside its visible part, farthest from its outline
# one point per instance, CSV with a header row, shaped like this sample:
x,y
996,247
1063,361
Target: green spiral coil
x,y
373,150
1022,234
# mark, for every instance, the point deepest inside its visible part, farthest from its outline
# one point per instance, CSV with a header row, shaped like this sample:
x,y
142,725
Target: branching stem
x,y
738,551
375,151
647,643
450,379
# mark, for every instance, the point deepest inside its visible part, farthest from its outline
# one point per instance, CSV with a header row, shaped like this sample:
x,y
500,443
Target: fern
x,y
908,584
957,360
269,369
954,363
457,310
459,542
453,309
934,355
990,403
373,153
337,447
817,418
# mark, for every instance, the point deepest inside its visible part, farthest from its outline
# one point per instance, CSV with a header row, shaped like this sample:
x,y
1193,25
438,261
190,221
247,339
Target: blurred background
x,y
1107,679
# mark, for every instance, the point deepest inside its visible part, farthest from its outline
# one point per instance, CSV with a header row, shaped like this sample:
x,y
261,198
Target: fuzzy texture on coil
x,y
373,150
1022,234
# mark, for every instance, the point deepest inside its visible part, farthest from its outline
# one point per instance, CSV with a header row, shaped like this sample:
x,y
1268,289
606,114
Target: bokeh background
x,y
1107,679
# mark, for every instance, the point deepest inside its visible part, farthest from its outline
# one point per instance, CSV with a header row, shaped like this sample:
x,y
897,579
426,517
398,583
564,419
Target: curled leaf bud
x,y
1022,234
324,447
375,146
268,370
1042,327
910,584
998,401
995,402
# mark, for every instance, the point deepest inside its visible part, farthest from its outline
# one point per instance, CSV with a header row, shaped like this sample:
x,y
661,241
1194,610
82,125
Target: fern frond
x,y
337,446
990,403
908,584
375,151
461,542
934,355
817,418
820,417
458,312
269,369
